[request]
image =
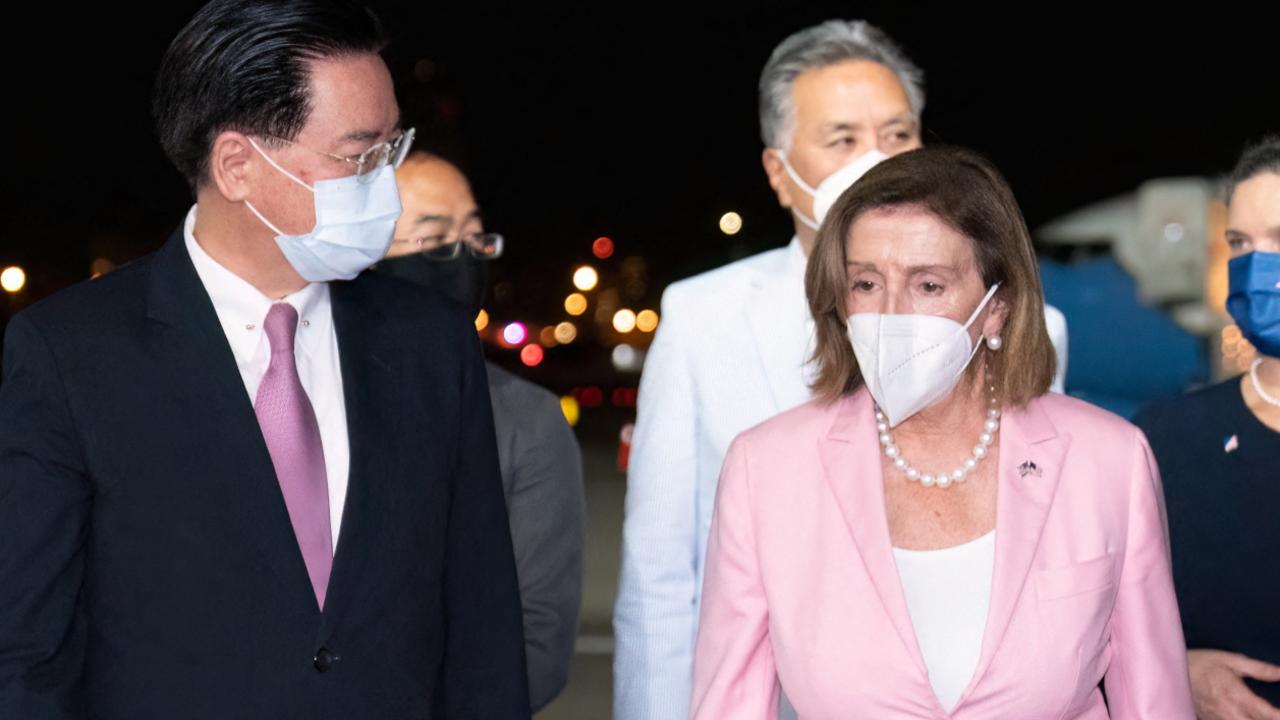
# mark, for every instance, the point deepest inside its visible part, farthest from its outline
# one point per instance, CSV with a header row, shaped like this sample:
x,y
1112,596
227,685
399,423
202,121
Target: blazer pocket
x,y
1078,579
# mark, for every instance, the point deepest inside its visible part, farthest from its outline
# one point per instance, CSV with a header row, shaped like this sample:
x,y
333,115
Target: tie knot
x,y
281,325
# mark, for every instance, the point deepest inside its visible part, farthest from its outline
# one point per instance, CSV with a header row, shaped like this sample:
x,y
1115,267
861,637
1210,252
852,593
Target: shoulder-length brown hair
x,y
963,190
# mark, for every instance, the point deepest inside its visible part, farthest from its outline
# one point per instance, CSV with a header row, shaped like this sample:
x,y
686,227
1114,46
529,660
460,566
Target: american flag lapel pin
x,y
1028,468
1231,444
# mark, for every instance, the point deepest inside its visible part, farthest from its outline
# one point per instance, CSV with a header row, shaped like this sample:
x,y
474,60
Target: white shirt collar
x,y
796,260
241,308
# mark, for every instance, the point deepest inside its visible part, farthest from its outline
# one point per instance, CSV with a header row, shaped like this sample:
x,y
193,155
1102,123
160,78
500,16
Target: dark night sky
x,y
637,123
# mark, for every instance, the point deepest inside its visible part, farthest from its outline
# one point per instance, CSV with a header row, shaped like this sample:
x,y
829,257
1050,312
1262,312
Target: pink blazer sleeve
x,y
733,667
1147,678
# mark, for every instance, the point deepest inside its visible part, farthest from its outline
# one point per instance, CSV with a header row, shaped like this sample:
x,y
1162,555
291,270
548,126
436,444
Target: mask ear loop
x,y
985,299
265,221
813,192
286,173
978,345
276,165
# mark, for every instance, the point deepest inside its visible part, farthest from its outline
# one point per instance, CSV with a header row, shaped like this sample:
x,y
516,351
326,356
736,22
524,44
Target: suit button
x,y
325,660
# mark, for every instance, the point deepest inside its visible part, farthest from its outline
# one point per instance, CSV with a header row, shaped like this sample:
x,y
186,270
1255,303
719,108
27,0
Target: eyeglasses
x,y
391,152
482,246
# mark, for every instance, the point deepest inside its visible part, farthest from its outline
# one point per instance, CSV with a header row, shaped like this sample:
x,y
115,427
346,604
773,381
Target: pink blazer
x,y
801,586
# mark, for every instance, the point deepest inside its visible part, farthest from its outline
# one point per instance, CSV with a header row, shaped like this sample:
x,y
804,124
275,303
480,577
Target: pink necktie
x,y
293,438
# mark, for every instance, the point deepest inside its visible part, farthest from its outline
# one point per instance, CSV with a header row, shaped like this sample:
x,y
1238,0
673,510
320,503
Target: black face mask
x,y
464,278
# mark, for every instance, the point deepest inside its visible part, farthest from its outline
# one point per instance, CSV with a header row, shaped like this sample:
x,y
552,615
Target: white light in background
x,y
624,321
627,358
585,278
730,223
13,279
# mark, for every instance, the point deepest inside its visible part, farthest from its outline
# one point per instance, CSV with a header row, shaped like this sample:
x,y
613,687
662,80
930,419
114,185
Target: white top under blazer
x,y
948,594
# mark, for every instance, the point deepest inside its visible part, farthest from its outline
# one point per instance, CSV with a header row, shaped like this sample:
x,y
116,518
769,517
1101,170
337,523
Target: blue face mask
x,y
1253,299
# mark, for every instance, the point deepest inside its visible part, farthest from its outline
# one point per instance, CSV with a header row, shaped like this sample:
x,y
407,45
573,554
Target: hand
x,y
1219,690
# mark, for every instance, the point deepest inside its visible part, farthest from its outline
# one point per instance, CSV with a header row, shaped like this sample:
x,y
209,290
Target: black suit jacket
x,y
148,568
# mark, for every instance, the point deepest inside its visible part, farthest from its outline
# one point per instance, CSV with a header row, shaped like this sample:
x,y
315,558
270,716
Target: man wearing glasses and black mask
x,y
441,243
208,506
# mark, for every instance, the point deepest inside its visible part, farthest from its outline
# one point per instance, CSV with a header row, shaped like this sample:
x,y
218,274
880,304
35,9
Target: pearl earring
x,y
995,343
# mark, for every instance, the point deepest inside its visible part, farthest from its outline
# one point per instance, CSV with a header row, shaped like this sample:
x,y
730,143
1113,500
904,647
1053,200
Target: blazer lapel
x,y
1030,461
777,316
192,351
371,385
851,459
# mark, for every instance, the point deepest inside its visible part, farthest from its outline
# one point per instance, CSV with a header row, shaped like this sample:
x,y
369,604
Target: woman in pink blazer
x,y
937,536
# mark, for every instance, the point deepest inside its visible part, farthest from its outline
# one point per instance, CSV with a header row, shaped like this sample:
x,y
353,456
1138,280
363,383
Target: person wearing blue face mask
x,y
1217,450
208,505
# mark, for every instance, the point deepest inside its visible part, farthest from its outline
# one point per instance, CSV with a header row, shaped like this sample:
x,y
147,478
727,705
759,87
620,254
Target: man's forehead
x,y
431,173
352,98
848,92
434,187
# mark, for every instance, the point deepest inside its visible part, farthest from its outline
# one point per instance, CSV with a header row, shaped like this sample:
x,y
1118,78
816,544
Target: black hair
x,y
243,65
1261,157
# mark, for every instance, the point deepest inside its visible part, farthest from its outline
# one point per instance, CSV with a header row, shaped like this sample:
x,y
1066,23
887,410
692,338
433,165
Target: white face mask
x,y
833,186
910,362
355,224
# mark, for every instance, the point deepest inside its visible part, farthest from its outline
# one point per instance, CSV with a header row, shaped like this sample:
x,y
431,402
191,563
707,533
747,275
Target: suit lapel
x,y
1030,461
371,385
777,315
851,460
190,347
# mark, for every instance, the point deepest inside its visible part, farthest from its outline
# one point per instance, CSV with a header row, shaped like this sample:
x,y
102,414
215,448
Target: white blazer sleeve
x,y
654,618
1056,323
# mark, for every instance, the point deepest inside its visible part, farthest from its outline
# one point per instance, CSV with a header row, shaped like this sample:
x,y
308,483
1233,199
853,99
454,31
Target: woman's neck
x,y
965,406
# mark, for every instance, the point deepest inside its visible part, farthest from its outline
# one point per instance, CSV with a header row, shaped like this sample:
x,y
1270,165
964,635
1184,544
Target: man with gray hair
x,y
835,99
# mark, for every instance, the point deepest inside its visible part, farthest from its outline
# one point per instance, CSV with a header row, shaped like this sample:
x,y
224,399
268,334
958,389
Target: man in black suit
x,y
209,507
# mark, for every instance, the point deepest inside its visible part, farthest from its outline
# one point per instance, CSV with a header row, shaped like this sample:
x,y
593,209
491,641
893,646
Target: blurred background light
x,y
624,321
591,397
586,278
531,355
547,337
626,358
575,304
569,406
647,321
13,279
515,333
566,332
730,223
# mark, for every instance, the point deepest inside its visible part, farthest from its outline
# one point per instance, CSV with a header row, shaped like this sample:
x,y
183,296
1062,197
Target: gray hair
x,y
832,42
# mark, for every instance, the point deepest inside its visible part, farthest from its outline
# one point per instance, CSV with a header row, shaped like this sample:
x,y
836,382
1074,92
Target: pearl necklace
x,y
945,480
1257,386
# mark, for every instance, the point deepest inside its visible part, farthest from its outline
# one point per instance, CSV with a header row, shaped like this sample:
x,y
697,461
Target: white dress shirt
x,y
948,594
241,308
